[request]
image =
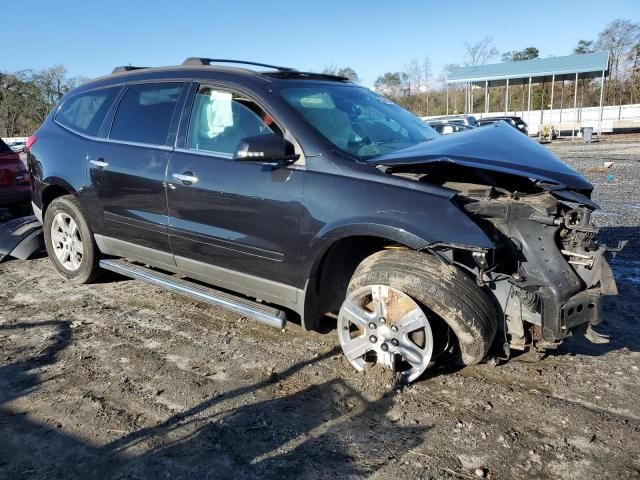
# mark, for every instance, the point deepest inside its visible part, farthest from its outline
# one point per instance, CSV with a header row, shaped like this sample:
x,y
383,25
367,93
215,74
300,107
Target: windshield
x,y
356,120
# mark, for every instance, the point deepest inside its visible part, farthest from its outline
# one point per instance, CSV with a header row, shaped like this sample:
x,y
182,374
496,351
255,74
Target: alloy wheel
x,y
67,241
380,324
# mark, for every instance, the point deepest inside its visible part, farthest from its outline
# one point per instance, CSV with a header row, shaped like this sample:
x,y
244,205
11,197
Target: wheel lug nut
x,y
394,328
373,339
372,326
395,342
384,347
382,320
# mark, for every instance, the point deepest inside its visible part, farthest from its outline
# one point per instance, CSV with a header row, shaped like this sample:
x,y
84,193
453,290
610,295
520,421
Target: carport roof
x,y
588,65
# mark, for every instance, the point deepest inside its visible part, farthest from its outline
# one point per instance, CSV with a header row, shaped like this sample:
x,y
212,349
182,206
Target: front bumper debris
x,y
558,275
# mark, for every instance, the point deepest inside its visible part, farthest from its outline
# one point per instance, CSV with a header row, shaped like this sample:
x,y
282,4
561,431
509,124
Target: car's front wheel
x,y
402,307
69,241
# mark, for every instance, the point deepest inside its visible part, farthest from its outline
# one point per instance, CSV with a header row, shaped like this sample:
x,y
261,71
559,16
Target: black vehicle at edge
x,y
515,122
305,195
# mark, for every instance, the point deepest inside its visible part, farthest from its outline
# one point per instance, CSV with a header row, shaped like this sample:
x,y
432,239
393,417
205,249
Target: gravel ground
x,y
123,380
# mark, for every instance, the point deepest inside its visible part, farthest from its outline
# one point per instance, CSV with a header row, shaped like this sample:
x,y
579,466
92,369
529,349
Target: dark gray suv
x,y
285,194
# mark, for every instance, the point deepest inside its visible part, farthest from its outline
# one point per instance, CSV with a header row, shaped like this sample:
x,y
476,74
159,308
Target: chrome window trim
x,y
208,153
110,140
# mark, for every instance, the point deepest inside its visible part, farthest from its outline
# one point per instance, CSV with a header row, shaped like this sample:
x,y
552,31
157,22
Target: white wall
x,y
588,117
14,139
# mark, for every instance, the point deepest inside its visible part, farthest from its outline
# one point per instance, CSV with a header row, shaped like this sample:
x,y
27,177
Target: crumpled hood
x,y
497,147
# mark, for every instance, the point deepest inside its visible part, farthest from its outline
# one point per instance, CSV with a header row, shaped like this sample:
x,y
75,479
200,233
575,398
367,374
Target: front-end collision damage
x,y
546,270
549,273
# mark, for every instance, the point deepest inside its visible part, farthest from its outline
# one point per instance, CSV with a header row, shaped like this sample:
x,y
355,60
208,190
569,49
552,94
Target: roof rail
x,y
209,61
126,68
307,75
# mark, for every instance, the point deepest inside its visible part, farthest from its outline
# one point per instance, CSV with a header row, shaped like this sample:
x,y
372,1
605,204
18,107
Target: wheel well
x,y
331,274
50,194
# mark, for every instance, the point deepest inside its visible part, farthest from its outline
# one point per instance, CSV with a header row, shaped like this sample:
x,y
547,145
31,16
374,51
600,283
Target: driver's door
x,y
232,223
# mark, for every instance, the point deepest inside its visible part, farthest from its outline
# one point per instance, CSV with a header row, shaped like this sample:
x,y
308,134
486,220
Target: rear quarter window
x,y
85,112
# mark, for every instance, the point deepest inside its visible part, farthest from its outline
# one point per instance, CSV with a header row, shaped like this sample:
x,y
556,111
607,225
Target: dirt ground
x,y
124,380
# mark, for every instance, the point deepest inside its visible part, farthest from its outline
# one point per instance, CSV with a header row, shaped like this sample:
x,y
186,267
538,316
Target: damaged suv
x,y
277,193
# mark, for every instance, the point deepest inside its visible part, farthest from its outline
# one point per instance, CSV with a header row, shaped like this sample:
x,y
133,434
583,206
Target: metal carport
x,y
538,70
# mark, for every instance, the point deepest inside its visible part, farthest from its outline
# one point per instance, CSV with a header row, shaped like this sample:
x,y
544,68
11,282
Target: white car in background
x,y
18,147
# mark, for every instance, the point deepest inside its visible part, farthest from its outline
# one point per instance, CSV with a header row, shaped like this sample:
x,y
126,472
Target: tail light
x,y
30,141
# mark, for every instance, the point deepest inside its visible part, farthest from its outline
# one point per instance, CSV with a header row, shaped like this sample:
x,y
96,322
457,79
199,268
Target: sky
x,y
372,37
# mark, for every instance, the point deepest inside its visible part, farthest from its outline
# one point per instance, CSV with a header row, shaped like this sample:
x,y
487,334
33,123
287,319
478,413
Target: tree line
x,y
27,96
420,90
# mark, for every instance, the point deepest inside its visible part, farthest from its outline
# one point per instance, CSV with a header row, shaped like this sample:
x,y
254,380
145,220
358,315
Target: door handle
x,y
99,163
187,178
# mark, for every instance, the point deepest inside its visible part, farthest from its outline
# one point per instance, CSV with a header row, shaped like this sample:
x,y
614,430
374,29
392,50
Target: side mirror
x,y
268,148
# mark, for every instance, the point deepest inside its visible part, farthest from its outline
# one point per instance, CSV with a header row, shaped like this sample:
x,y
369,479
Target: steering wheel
x,y
358,130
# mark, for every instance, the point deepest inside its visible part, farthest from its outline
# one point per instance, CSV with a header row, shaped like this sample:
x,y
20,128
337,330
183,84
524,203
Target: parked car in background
x,y
515,122
446,128
14,182
308,195
464,119
18,147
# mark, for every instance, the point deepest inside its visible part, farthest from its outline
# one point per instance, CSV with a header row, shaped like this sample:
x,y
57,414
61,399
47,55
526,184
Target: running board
x,y
262,313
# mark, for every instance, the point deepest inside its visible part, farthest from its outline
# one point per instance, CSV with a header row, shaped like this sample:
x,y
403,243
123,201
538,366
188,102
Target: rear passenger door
x,y
128,169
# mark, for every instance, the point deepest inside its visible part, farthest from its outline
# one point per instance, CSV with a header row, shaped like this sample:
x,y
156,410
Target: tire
x,y
88,269
445,290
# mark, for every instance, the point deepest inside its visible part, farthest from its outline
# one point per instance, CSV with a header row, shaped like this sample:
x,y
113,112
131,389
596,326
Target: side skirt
x,y
245,284
262,313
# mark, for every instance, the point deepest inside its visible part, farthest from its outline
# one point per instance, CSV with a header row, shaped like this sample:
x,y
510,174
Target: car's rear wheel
x,y
403,306
69,241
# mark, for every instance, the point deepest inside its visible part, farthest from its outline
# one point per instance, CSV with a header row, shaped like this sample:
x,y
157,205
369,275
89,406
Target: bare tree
x,y
618,38
634,60
426,76
446,71
481,52
413,74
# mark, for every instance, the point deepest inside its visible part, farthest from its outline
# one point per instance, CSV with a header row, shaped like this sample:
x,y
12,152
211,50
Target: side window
x,y
221,119
144,114
85,112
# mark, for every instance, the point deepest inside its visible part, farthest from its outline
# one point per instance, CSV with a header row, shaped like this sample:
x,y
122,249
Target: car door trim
x,y
246,284
135,223
217,242
111,140
120,248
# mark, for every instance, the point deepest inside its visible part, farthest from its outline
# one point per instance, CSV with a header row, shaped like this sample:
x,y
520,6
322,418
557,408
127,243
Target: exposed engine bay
x,y
547,272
